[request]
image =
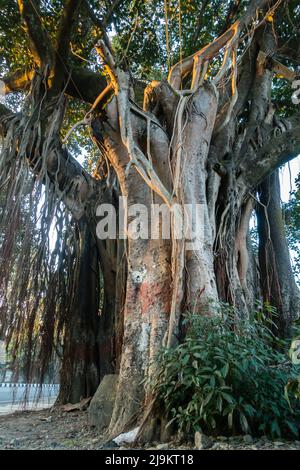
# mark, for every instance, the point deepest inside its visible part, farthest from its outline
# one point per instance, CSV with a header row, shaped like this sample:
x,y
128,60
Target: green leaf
x,y
225,370
219,403
294,429
275,429
185,359
230,419
227,397
212,381
208,398
244,422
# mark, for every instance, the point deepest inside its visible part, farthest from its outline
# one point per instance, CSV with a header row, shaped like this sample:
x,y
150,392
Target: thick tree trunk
x,y
151,277
146,309
147,306
200,289
79,376
113,277
277,280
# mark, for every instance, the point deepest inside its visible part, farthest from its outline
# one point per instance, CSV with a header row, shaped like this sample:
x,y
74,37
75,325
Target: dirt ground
x,y
48,430
57,430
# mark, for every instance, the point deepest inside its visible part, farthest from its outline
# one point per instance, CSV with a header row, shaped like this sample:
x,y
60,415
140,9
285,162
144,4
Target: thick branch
x,y
77,188
17,81
253,10
276,67
39,41
68,18
232,14
206,53
183,67
83,84
282,144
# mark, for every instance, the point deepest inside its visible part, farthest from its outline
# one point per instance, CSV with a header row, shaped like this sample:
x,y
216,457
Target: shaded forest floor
x,y
70,430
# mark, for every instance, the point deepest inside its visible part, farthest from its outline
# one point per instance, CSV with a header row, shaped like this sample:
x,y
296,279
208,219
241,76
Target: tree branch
x,y
77,187
17,81
68,18
40,44
102,24
253,9
290,49
83,83
211,50
282,144
231,14
199,22
276,66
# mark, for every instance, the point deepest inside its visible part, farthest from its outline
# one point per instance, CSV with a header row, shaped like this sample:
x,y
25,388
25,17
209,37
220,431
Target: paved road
x,y
17,397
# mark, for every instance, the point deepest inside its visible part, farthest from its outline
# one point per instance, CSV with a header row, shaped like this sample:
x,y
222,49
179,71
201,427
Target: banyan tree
x,y
175,103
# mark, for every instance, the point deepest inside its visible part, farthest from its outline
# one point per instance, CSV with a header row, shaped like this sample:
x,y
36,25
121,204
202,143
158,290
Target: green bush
x,y
227,377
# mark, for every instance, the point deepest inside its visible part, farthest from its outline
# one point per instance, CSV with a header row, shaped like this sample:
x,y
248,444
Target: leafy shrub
x,y
227,377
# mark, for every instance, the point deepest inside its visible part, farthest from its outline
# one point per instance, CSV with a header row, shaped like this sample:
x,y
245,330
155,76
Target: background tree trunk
x,y
80,371
277,280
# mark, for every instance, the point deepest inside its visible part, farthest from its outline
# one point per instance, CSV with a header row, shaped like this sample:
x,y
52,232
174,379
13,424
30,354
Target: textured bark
x,y
79,375
113,277
201,291
147,300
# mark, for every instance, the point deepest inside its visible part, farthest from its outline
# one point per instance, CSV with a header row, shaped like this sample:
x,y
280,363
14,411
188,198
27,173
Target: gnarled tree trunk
x,y
196,141
79,375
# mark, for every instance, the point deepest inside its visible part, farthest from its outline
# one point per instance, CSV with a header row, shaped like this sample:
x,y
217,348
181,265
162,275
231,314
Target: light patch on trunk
x,y
138,276
2,91
144,338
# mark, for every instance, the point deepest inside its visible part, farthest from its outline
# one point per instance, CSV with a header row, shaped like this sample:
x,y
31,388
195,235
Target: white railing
x,y
13,384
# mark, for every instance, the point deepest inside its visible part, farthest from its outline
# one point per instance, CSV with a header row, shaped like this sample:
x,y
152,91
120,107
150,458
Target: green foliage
x,y
138,32
227,377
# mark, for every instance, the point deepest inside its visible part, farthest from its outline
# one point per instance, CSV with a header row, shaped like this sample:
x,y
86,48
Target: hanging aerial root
x,y
241,250
195,61
38,249
33,274
121,83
